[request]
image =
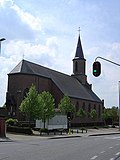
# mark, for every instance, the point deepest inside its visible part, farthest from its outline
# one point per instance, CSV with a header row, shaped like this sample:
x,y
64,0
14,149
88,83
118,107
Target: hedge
x,y
16,129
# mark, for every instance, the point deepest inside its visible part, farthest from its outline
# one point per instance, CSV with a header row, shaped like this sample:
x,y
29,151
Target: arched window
x,y
89,109
83,106
99,111
95,106
25,92
77,107
76,66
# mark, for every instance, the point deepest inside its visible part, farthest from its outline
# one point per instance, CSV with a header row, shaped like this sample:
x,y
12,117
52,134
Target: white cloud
x,y
52,41
6,65
31,49
3,3
32,21
116,46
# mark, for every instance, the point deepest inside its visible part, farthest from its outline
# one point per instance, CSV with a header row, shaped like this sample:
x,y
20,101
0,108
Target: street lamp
x,y
2,39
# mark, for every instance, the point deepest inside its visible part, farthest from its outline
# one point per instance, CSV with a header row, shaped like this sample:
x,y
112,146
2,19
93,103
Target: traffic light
x,y
69,115
96,68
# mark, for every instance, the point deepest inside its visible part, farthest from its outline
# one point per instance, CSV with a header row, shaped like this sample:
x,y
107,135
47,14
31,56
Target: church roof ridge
x,y
20,68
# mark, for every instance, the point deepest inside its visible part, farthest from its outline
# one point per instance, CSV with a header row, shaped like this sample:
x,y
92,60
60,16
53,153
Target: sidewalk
x,y
90,132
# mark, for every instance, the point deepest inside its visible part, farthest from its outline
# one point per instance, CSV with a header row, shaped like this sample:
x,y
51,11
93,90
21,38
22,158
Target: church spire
x,y
79,51
79,63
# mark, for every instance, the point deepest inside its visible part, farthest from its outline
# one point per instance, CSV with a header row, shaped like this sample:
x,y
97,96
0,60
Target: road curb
x,y
102,134
62,137
6,139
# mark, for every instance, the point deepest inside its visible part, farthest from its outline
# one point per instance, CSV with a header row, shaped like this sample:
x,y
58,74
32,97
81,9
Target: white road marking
x,y
4,158
110,147
97,139
94,157
117,144
102,152
111,158
117,154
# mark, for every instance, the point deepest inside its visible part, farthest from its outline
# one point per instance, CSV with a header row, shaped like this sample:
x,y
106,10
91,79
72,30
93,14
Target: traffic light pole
x,y
107,60
1,40
118,84
119,105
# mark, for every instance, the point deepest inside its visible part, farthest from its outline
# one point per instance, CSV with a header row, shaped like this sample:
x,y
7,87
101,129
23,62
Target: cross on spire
x,y
79,52
79,30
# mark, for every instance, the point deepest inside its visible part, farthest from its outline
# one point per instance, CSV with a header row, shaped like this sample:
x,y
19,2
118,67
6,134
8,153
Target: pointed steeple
x,y
79,51
79,63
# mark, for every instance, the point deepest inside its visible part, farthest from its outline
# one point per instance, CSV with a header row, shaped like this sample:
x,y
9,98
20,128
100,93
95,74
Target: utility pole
x,y
1,40
119,105
118,82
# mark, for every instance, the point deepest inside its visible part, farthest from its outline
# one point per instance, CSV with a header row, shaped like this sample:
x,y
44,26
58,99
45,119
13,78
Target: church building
x,y
58,84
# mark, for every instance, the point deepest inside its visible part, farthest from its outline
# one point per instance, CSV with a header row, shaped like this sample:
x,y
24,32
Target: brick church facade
x,y
58,84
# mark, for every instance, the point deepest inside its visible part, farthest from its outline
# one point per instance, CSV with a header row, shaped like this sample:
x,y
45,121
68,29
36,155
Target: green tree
x,y
114,114
105,116
28,105
93,114
81,113
66,105
46,106
110,114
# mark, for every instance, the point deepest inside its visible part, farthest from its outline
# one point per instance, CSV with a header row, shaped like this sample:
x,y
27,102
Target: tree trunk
x,y
44,123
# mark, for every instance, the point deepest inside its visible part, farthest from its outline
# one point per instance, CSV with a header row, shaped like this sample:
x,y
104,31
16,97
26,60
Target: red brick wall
x,y
17,83
85,105
57,94
2,127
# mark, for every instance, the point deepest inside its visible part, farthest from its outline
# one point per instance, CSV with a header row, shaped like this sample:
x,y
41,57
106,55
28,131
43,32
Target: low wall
x,y
2,127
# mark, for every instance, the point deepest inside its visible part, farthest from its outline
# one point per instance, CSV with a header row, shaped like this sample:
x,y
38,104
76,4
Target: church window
x,y
83,106
77,107
89,109
25,92
95,106
76,66
99,111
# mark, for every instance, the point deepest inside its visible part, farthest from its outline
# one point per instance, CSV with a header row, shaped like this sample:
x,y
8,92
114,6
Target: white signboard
x,y
57,122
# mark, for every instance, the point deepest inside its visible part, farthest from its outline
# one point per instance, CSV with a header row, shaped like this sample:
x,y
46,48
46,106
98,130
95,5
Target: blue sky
x,y
46,32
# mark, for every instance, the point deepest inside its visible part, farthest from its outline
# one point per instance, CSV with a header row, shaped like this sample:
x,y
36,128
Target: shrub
x,y
44,130
116,123
26,124
95,127
113,126
106,126
16,129
11,121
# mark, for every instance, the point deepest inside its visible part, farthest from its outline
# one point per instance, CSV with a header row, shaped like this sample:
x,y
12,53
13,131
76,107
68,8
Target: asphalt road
x,y
82,148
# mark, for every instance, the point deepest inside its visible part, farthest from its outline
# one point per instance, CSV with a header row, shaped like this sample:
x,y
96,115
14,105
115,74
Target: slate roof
x,y
67,84
79,51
